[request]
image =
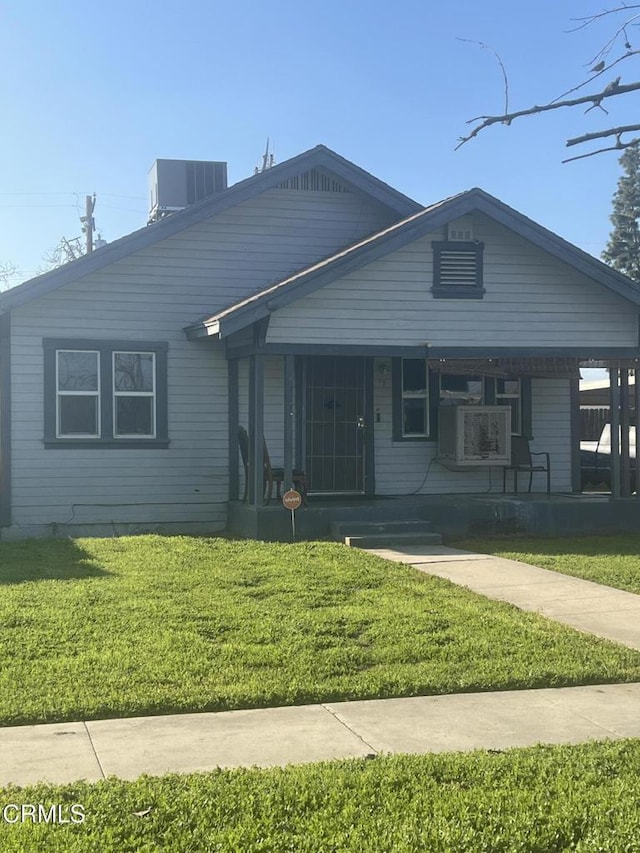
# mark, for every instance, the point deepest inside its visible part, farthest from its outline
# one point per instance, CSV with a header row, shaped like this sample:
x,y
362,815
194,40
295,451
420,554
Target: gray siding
x,y
153,295
404,468
531,299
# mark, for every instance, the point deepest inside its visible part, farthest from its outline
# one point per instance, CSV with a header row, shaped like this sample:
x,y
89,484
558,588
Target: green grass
x,y
119,627
543,799
609,560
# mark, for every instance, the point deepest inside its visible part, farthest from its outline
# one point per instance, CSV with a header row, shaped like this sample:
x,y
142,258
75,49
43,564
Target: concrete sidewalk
x,y
187,743
589,607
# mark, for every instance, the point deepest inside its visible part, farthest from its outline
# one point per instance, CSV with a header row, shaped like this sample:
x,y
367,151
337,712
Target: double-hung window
x,y
77,393
508,393
134,394
413,400
105,394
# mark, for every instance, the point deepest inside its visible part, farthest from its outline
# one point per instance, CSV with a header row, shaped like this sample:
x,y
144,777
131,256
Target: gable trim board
x,y
249,310
318,157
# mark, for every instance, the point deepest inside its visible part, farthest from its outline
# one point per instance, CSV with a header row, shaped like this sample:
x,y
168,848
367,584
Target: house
x,y
316,306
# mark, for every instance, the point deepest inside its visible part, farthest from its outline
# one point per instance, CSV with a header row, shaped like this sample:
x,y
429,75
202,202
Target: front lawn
x,y
97,628
609,560
544,799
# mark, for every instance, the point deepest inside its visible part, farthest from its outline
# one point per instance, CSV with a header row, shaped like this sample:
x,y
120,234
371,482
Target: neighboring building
x,y
595,406
311,303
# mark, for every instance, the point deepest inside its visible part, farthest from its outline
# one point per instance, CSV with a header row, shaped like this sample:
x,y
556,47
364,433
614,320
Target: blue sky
x,y
93,93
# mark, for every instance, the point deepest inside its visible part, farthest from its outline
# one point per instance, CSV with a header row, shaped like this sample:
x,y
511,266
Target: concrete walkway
x,y
126,748
590,607
187,743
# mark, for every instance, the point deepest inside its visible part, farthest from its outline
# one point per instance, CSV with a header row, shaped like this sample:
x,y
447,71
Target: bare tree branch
x,y
500,63
8,270
601,71
619,146
622,29
590,19
612,90
600,134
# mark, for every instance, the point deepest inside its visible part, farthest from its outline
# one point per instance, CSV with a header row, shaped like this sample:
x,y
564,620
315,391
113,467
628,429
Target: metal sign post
x,y
292,500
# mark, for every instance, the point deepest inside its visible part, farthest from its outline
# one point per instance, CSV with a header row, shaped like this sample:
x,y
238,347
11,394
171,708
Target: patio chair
x,y
271,475
521,460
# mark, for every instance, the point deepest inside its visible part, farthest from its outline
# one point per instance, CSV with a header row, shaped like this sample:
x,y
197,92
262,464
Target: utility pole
x,y
88,222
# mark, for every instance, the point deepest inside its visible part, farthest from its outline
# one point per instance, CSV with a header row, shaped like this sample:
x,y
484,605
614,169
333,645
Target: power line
x,y
72,192
29,206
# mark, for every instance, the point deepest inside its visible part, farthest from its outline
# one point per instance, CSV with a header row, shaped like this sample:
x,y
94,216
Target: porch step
x,y
385,534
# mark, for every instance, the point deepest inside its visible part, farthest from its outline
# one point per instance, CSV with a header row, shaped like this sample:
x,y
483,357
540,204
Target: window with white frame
x,y
415,398
77,393
508,393
134,395
105,393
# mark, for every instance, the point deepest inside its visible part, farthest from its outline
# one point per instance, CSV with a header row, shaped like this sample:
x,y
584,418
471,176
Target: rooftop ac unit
x,y
474,436
176,184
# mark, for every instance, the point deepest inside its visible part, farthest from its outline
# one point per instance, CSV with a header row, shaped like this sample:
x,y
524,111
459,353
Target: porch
x,y
450,515
365,432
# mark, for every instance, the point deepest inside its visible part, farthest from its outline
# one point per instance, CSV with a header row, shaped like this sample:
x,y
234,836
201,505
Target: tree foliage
x,y
623,248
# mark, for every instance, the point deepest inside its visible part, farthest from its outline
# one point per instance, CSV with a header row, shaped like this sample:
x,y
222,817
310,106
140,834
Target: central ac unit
x,y
474,436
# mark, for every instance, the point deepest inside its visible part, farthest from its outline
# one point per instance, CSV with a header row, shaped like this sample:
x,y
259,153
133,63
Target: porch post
x,y
575,435
256,435
289,382
234,421
614,410
300,410
625,481
369,451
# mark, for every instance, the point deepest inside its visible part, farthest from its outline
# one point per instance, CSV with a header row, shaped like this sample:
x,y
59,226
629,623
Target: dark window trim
x,y
106,349
442,291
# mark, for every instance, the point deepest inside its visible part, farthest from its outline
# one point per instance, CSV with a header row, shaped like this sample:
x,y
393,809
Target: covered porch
x,y
340,414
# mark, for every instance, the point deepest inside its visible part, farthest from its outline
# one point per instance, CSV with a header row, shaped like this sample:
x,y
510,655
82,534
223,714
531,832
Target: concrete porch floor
x,y
535,513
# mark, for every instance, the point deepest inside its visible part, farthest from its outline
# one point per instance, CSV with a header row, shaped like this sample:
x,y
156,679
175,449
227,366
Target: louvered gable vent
x,y
457,269
314,181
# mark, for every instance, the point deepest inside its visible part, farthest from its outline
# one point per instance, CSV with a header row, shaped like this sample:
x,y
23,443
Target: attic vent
x,y
314,181
457,270
461,230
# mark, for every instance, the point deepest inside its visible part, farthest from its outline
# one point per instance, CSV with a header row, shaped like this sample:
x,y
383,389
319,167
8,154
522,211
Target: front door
x,y
335,434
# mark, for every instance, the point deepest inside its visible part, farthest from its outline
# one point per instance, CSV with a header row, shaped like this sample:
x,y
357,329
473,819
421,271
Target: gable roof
x,y
318,157
247,311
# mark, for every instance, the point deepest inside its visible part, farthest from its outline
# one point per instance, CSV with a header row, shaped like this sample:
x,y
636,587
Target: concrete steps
x,y
385,534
